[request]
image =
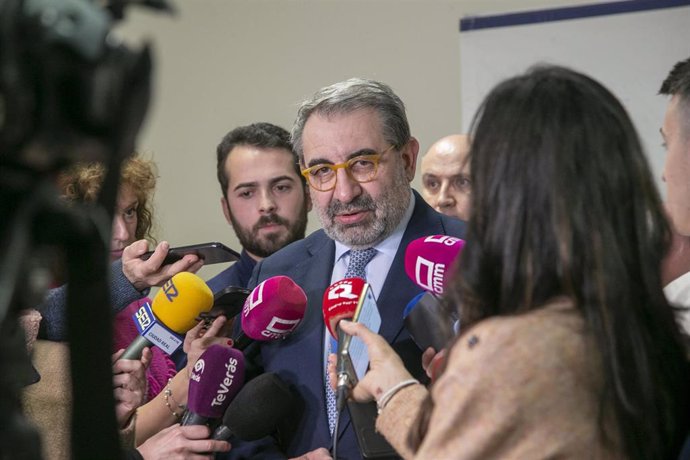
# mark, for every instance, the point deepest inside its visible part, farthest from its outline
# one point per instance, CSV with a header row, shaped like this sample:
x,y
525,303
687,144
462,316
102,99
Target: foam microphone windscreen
x,y
340,302
258,408
428,261
181,300
217,377
273,309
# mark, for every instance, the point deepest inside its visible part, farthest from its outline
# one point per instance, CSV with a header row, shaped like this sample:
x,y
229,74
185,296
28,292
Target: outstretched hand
x,y
146,273
386,369
199,338
182,442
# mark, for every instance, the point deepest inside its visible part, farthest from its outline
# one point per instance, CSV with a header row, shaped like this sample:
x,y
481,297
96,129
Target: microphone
x,y
216,379
426,322
340,301
173,312
271,311
256,410
428,261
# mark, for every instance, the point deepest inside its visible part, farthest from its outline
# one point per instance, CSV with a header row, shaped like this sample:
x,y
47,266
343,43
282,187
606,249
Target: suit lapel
x,y
316,277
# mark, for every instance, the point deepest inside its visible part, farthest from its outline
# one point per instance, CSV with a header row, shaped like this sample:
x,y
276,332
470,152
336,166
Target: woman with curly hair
x,y
132,221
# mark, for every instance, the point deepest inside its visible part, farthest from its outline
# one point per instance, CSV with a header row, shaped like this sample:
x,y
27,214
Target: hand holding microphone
x,y
130,384
386,369
342,301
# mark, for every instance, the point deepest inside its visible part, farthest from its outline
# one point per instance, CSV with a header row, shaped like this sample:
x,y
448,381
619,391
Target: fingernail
x,y
230,342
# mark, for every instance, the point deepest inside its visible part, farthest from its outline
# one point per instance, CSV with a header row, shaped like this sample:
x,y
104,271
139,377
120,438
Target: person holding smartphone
x,y
132,224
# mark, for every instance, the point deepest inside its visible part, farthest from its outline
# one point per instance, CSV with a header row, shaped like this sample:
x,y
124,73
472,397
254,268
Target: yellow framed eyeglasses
x,y
361,169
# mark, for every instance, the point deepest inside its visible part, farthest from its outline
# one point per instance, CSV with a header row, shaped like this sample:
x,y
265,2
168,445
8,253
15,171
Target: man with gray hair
x,y
358,156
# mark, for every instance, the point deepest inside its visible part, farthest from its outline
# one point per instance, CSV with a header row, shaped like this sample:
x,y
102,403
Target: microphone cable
x,y
341,396
334,448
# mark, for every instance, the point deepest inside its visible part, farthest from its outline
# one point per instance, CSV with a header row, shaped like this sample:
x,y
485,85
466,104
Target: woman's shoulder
x,y
557,329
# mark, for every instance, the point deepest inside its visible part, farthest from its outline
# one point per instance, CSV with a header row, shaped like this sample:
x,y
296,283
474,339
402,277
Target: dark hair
x,y
262,135
351,95
678,80
564,204
677,83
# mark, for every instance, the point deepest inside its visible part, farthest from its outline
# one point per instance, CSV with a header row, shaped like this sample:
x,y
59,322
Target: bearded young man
x,y
265,198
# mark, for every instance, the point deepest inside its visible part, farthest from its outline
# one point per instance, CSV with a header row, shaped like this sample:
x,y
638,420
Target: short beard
x,y
272,242
387,214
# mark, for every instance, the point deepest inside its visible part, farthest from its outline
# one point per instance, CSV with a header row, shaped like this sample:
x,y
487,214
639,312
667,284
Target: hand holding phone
x,y
352,353
210,253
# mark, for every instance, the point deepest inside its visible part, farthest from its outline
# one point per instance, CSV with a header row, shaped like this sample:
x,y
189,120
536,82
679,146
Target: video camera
x,y
70,91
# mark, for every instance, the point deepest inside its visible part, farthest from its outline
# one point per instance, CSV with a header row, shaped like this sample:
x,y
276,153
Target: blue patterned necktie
x,y
359,258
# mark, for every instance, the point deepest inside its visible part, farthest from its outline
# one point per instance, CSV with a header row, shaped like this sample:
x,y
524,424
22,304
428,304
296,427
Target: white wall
x,y
222,63
630,53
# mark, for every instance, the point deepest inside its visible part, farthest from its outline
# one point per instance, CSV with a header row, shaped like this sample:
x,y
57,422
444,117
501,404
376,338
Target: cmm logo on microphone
x,y
429,275
255,298
279,327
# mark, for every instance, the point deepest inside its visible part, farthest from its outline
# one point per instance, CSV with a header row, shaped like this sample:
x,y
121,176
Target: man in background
x,y
446,184
675,132
264,197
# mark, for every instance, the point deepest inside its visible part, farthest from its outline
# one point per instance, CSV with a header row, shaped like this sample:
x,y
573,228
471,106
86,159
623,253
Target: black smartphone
x,y
372,444
212,253
228,301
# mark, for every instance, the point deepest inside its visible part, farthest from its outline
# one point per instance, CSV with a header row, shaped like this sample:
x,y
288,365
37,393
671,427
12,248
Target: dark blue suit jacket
x,y
299,358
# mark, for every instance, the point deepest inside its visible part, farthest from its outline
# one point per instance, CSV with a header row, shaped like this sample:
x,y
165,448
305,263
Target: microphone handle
x,y
222,433
343,370
242,341
135,349
192,418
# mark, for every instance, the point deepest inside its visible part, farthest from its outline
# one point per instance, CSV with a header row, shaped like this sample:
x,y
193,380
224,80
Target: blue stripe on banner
x,y
562,14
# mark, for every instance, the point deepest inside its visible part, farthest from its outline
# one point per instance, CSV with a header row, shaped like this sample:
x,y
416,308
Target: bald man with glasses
x,y
358,156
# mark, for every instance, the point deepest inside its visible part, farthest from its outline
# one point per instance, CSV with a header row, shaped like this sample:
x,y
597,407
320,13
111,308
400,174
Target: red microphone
x,y
428,261
272,311
340,302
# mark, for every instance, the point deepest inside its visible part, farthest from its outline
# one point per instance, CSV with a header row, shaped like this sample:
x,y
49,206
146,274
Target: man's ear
x,y
226,210
409,156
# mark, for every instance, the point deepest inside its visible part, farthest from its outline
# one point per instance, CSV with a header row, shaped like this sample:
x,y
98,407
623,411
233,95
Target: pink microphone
x,y
428,261
272,311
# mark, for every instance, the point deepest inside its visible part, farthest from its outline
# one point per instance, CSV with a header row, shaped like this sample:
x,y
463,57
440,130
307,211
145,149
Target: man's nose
x,y
346,188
